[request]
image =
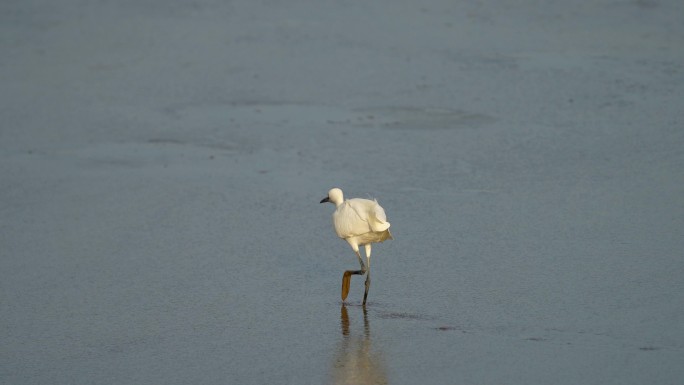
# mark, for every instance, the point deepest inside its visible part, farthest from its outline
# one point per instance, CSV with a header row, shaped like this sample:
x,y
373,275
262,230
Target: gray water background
x,y
161,164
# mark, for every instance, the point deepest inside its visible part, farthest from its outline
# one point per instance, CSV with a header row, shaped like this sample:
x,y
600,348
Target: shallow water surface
x,y
161,168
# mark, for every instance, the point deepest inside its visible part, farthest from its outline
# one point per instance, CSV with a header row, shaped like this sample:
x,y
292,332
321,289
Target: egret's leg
x,y
368,279
363,267
346,278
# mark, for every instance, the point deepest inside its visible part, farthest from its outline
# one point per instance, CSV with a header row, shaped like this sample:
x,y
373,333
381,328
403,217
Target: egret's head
x,y
334,196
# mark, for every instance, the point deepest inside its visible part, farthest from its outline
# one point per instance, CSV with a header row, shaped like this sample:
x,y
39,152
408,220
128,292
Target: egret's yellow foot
x,y
346,280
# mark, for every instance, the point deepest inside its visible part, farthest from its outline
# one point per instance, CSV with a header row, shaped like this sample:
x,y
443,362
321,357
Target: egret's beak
x,y
326,199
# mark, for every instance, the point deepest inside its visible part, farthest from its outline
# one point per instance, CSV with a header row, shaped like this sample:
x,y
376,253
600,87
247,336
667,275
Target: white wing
x,y
350,219
359,216
378,219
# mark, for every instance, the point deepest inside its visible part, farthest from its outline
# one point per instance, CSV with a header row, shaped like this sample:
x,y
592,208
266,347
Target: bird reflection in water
x,y
356,362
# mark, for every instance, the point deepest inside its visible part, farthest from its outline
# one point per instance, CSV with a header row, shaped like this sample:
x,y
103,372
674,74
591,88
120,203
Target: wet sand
x,y
161,165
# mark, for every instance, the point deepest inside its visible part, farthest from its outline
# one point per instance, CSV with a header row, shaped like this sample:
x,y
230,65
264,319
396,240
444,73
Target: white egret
x,y
360,222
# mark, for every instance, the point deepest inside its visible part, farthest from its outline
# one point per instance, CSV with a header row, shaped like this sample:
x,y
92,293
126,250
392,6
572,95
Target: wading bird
x,y
360,222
